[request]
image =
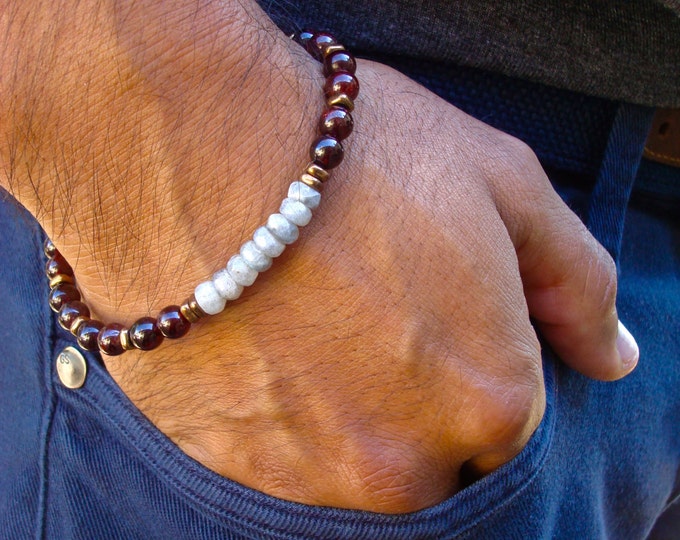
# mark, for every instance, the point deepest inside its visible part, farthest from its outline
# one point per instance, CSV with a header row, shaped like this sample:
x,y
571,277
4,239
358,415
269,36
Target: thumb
x,y
569,281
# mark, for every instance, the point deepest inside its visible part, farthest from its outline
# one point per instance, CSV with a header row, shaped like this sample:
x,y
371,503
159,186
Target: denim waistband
x,y
568,131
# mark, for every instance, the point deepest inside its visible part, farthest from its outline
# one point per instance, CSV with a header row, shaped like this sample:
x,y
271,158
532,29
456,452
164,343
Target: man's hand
x,y
385,356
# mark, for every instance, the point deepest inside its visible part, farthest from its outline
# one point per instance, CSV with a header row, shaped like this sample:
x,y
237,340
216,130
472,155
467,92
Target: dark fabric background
x,y
626,51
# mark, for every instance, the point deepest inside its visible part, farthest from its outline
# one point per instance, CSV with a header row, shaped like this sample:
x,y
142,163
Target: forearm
x,y
149,136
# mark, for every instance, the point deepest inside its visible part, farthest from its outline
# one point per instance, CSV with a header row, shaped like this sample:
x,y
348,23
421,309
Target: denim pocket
x,y
142,485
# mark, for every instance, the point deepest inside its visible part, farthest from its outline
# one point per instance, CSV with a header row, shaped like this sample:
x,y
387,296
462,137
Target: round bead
x,y
339,61
267,243
58,265
49,248
87,334
171,323
305,36
337,123
226,286
308,196
208,299
109,339
254,258
295,212
283,229
318,43
327,152
70,312
62,294
242,273
341,82
145,334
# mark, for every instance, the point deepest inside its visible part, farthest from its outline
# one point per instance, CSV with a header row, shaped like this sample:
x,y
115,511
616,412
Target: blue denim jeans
x,y
603,463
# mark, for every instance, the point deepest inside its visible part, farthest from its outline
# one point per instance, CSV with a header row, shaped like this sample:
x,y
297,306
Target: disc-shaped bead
x,y
336,122
172,323
283,229
242,273
295,212
87,334
267,242
254,258
226,286
208,299
327,152
341,82
109,339
308,196
145,334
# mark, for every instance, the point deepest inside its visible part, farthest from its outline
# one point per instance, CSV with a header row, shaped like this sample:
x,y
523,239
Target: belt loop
x,y
610,196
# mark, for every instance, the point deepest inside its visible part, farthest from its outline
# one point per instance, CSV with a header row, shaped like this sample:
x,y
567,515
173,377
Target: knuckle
x,y
601,278
510,409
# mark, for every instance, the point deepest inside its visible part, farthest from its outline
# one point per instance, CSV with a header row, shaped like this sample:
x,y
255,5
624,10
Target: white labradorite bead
x,y
295,212
226,286
239,270
305,194
267,243
208,298
283,229
254,258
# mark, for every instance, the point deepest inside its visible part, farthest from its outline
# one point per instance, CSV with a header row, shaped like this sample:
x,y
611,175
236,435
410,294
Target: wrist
x,y
186,135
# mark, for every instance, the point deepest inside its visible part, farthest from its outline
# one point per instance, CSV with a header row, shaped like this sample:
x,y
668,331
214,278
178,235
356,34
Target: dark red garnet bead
x,y
87,334
49,248
337,123
58,265
109,339
63,294
172,323
339,61
341,82
70,312
326,152
145,334
318,43
305,36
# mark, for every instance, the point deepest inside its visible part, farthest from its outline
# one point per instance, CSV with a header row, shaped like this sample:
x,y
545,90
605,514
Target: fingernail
x,y
627,348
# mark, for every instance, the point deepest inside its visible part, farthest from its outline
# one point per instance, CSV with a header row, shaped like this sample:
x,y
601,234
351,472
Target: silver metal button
x,y
71,368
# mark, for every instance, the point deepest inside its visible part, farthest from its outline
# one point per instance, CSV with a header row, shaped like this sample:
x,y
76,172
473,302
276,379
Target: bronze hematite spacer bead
x,y
330,49
61,278
317,172
191,310
311,181
341,100
125,340
77,323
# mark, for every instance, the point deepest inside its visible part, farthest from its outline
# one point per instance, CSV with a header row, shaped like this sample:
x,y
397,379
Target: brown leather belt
x,y
663,142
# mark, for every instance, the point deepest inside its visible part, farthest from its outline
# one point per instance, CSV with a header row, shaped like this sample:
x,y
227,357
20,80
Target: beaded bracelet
x,y
210,297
